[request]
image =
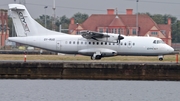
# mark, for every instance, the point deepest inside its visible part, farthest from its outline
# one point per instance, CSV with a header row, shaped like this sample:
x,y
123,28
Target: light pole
x,y
53,22
77,28
137,19
45,16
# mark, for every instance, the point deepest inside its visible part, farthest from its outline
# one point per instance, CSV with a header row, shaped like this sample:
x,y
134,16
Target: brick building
x,y
124,24
4,32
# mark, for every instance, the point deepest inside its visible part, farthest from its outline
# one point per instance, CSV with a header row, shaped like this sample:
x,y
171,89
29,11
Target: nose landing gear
x,y
160,57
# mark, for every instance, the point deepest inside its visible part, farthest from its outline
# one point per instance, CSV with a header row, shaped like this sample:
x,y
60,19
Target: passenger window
x,y
81,42
101,43
121,43
73,42
133,44
69,42
93,43
85,43
97,43
109,43
105,43
89,42
125,44
78,42
113,43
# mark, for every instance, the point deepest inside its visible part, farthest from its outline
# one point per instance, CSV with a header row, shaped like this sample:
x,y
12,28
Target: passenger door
x,y
58,45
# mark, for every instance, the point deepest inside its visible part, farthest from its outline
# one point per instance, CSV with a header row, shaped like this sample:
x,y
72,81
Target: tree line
x,y
64,21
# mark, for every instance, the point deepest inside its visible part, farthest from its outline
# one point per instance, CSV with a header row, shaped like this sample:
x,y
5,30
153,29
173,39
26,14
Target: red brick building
x,y
4,32
124,24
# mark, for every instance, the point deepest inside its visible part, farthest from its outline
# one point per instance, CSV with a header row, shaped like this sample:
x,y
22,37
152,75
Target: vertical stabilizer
x,y
24,24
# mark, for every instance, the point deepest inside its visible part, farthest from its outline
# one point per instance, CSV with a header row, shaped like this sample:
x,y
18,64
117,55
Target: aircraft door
x,y
58,45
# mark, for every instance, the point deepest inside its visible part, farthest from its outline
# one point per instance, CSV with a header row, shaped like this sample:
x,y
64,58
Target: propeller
x,y
119,38
93,35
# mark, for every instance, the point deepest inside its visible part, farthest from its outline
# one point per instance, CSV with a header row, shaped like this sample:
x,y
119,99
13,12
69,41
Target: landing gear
x,y
160,57
96,56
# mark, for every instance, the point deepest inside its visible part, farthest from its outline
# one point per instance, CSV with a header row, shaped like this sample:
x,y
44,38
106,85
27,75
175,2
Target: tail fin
x,y
24,24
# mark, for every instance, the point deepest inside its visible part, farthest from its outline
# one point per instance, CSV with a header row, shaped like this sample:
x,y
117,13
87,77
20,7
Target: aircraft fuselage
x,y
74,44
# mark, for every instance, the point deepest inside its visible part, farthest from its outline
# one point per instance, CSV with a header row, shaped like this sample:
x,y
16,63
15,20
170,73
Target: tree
x,y
41,20
10,25
161,19
64,22
176,32
79,17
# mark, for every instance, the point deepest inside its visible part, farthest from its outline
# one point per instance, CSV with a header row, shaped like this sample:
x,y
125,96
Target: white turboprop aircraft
x,y
94,44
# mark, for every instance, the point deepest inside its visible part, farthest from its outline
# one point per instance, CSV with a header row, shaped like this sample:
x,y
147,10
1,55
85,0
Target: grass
x,y
167,58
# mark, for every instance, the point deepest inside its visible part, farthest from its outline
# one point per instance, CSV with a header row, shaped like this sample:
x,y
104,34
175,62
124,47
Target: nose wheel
x,y
160,57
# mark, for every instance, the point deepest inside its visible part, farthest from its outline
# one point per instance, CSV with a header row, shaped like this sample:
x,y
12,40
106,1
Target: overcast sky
x,y
70,7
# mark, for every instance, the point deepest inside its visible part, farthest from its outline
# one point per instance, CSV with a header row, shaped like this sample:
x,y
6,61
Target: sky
x,y
70,7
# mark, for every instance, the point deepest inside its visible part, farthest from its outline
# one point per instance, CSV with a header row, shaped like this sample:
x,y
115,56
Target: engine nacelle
x,y
112,38
105,37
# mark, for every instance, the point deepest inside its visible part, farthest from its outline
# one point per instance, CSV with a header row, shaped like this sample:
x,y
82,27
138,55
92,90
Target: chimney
x,y
110,11
72,20
169,21
129,11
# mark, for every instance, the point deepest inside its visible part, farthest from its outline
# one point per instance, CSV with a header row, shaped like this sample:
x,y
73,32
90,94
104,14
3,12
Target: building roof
x,y
145,23
117,22
167,29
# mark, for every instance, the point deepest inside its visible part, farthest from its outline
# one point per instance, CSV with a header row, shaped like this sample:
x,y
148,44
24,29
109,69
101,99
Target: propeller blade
x,y
94,38
119,38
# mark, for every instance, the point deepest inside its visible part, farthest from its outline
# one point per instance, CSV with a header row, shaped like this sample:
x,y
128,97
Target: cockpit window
x,y
154,41
158,42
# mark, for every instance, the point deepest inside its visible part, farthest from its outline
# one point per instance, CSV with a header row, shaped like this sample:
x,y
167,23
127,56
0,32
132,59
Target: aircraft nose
x,y
170,49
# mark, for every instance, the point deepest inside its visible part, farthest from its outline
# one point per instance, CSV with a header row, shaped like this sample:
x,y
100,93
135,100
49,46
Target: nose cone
x,y
170,49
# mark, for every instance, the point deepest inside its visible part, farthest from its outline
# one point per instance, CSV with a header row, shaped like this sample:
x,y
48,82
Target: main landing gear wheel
x,y
97,57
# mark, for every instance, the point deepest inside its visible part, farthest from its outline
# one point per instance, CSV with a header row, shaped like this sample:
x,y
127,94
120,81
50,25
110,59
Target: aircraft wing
x,y
104,37
93,35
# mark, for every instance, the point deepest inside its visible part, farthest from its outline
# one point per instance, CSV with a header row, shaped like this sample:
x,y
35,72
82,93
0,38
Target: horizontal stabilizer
x,y
14,7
